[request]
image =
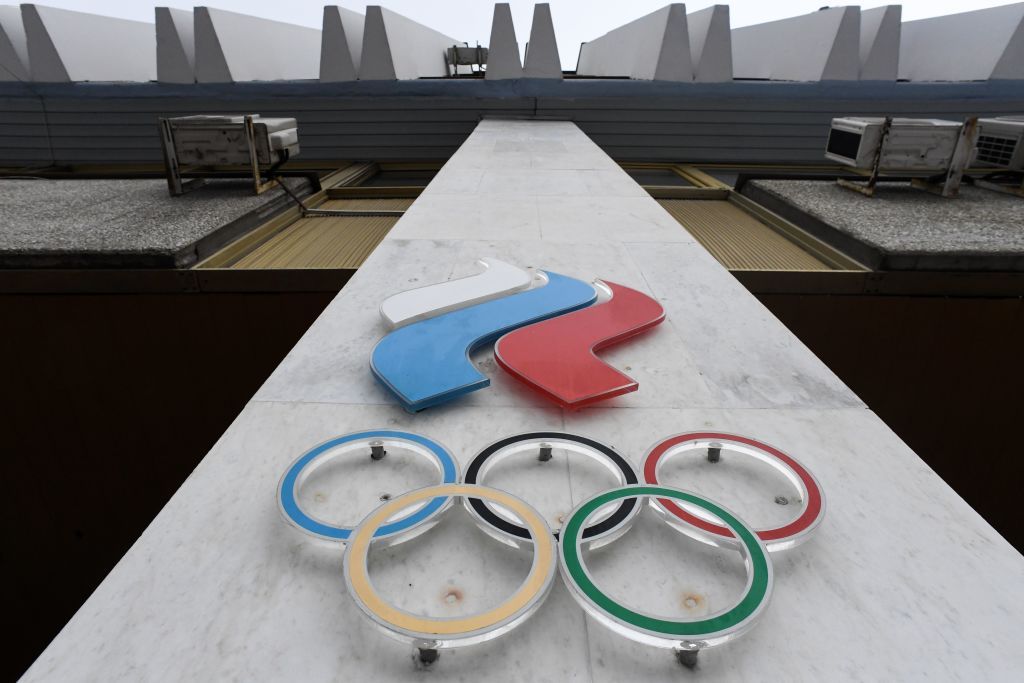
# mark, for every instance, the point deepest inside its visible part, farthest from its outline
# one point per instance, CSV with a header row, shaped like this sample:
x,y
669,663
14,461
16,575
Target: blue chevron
x,y
427,362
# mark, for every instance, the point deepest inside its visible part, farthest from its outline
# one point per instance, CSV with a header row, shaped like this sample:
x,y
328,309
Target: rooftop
x,y
123,223
903,228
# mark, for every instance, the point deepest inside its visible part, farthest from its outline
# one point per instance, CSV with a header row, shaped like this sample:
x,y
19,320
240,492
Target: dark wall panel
x,y
741,121
109,402
944,373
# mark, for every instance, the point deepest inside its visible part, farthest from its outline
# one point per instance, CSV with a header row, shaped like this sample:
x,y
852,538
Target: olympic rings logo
x,y
511,520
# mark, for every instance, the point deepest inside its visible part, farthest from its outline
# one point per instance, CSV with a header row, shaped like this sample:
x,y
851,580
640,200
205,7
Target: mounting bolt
x,y
377,449
545,452
428,655
714,452
781,500
687,656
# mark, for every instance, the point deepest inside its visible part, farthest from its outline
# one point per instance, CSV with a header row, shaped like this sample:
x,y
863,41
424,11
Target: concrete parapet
x,y
341,46
503,50
175,46
233,47
13,45
68,46
654,47
880,43
542,59
971,46
710,44
398,48
820,46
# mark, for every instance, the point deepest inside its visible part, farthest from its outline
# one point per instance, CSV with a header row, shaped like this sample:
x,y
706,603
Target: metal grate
x,y
738,240
997,150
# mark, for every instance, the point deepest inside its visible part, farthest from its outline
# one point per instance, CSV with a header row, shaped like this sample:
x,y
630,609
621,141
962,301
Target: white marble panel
x,y
449,217
746,356
607,219
890,587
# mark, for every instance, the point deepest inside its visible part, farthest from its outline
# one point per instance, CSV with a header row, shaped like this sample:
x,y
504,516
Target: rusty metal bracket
x,y
868,189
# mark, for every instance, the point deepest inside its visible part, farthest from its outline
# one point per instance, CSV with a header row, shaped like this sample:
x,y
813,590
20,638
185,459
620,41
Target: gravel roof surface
x,y
117,222
911,228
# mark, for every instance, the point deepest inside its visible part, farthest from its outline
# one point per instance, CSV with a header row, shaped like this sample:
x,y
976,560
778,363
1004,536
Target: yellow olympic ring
x,y
536,583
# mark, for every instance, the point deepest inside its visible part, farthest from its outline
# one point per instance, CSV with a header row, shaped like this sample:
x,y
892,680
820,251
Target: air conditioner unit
x,y
1000,143
913,145
209,145
221,140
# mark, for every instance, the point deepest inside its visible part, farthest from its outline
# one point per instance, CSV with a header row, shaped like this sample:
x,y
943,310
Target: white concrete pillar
x,y
653,47
542,60
342,44
710,44
396,47
820,46
880,43
13,45
175,46
971,46
503,49
238,47
75,46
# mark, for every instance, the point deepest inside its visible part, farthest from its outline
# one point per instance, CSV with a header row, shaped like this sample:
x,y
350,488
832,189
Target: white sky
x,y
575,21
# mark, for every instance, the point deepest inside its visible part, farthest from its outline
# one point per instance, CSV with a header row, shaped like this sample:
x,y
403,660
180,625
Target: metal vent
x,y
996,150
843,143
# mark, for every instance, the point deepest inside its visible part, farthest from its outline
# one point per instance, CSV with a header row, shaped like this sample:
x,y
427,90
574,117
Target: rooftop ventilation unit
x,y
464,56
205,146
933,153
912,144
1000,143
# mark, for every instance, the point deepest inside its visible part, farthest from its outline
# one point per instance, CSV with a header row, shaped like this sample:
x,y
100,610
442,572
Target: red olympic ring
x,y
811,515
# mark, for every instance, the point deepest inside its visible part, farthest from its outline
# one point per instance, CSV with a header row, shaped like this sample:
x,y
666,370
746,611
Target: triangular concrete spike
x,y
14,65
231,46
503,50
64,45
711,44
211,64
376,62
969,46
880,43
396,47
822,45
341,44
45,63
175,46
843,62
1011,64
674,61
542,59
655,46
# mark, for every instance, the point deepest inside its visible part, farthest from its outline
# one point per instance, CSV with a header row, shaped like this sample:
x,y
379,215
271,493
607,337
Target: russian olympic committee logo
x,y
597,521
546,335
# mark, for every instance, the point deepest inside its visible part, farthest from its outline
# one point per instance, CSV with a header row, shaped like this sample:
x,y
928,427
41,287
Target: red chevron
x,y
556,357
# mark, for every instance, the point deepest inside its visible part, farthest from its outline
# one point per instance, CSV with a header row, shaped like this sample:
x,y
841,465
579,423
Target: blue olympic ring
x,y
290,506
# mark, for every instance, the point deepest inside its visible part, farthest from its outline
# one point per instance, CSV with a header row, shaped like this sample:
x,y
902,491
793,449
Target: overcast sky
x,y
575,21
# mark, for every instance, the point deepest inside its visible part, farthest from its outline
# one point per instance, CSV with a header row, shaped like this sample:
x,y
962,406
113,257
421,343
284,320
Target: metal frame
x,y
176,183
946,184
707,187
